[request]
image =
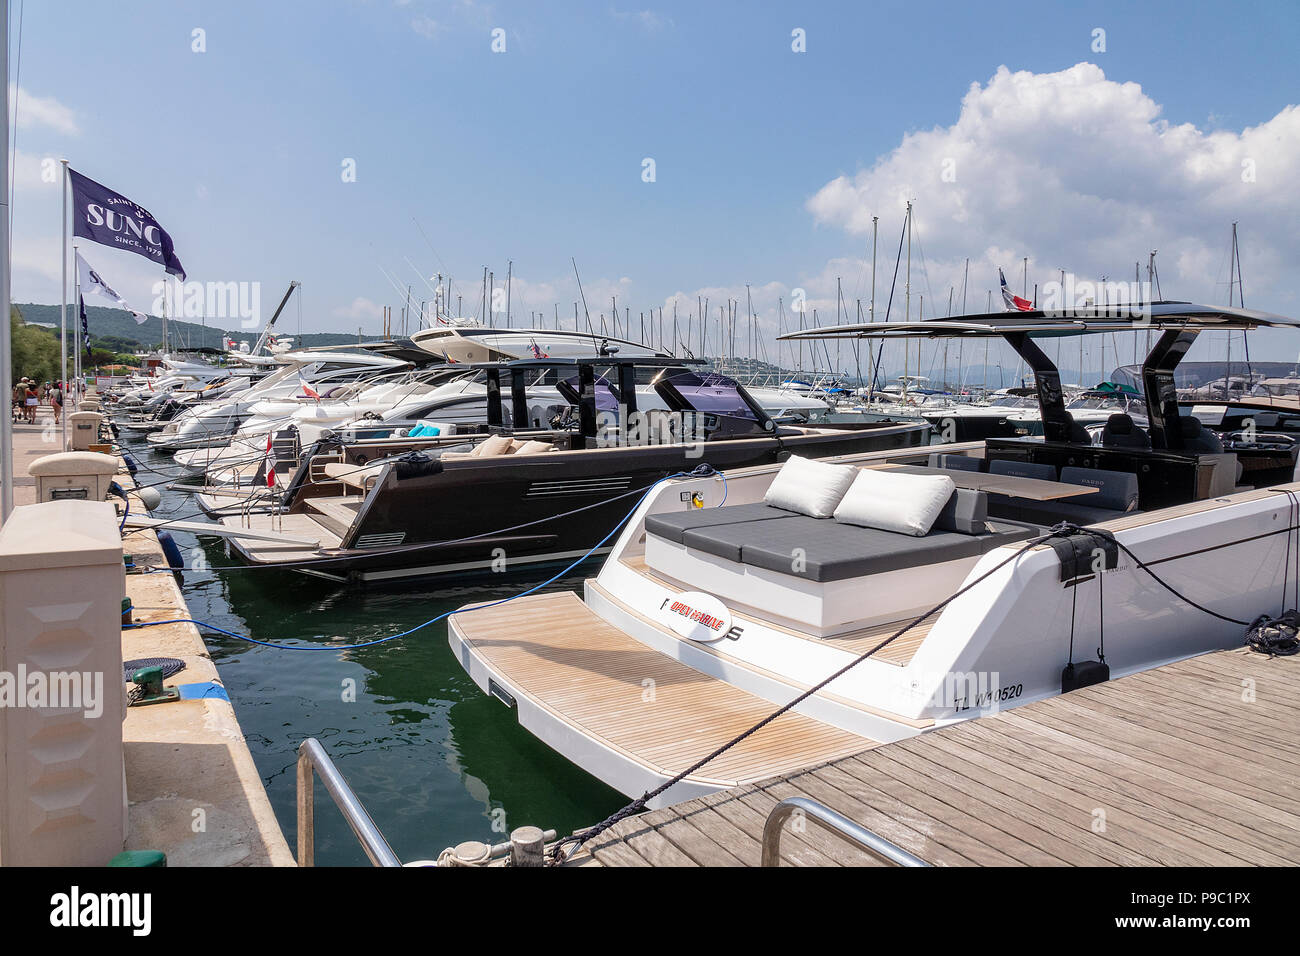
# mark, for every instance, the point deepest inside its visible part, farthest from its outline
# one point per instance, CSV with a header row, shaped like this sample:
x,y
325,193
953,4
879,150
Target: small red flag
x,y
270,463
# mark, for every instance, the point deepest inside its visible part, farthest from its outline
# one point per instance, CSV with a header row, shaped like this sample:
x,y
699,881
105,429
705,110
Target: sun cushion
x,y
674,524
967,511
808,487
820,550
903,503
493,445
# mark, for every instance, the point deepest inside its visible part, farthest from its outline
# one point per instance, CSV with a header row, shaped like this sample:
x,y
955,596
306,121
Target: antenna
x,y
584,303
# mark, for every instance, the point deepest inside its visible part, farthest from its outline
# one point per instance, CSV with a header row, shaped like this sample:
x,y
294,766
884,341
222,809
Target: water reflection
x,y
435,760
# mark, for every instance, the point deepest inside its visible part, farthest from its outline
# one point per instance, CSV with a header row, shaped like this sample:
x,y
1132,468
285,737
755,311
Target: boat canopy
x,y
1179,323
1049,324
594,381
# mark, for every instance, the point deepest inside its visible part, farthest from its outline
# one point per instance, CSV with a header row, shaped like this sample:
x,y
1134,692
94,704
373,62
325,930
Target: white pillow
x,y
809,487
907,504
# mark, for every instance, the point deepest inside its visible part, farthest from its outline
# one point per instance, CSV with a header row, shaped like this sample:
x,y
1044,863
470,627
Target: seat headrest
x,y
1120,424
1188,426
1121,432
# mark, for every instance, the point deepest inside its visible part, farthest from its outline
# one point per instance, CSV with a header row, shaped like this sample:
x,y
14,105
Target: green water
x,y
433,759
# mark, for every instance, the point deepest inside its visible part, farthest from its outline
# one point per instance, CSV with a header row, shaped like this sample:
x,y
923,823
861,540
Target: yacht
x,y
918,590
327,373
524,491
460,397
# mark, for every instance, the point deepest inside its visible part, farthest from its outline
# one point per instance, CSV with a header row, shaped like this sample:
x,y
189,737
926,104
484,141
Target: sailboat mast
x,y
875,220
1241,301
907,298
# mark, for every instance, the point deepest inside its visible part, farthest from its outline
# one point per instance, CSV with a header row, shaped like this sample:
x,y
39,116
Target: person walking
x,y
56,401
32,401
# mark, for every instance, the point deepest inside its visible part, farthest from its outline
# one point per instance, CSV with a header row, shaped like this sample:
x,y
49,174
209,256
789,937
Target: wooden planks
x,y
644,704
1194,763
899,652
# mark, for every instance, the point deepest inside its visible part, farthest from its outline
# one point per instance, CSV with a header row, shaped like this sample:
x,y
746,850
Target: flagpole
x,y
63,307
76,295
6,345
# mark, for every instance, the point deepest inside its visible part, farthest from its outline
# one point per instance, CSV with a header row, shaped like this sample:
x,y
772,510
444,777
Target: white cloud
x,y
360,309
425,26
1080,173
46,112
647,20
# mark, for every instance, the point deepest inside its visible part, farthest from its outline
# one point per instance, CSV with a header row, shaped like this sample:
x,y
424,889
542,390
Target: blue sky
x,y
535,154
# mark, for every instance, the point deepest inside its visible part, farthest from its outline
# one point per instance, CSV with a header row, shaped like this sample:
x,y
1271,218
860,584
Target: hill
x,y
118,325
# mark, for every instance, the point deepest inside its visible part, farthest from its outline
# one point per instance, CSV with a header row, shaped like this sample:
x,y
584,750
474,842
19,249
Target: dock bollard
x,y
527,847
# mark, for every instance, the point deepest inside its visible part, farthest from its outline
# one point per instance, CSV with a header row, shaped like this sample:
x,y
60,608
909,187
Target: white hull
x,y
1009,636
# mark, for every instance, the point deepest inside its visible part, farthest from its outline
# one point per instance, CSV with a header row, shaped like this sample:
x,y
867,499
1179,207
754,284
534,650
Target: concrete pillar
x,y
62,700
85,429
83,475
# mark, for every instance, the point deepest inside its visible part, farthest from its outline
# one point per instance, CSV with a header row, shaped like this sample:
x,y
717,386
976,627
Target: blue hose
x,y
446,614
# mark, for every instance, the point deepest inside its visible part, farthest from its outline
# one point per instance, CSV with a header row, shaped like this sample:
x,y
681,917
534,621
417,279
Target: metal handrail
x,y
837,825
313,760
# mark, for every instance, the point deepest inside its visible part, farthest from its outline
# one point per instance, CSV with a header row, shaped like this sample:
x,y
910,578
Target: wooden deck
x,y
644,704
297,525
1195,763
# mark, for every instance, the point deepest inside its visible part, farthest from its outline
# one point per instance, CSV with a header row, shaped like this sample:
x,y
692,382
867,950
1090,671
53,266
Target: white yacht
x,y
194,436
905,591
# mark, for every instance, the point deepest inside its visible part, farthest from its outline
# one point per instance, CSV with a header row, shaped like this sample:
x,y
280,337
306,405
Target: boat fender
x,y
416,465
1079,674
1078,551
130,462
149,497
172,550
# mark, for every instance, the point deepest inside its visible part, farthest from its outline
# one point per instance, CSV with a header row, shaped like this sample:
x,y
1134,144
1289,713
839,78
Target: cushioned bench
x,y
1023,469
355,476
674,525
957,462
1117,494
822,549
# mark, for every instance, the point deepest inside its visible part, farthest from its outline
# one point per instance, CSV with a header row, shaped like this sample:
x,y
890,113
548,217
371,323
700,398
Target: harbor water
x,y
433,759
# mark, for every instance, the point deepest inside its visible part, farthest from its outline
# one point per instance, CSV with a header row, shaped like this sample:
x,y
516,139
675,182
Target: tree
x,y
34,351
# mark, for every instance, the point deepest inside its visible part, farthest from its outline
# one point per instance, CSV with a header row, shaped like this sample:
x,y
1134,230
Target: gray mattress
x,y
820,549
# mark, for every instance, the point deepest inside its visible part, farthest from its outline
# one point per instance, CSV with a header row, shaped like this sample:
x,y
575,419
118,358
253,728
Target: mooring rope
x,y
559,853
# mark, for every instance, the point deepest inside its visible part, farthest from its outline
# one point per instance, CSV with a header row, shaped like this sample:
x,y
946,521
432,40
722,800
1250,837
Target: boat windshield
x,y
1114,401
606,397
709,392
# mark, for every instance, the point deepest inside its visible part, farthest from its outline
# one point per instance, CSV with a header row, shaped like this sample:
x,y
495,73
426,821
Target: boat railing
x,y
313,761
316,468
837,825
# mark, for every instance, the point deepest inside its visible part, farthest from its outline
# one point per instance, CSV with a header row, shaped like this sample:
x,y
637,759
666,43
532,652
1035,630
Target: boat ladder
x,y
313,761
837,824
